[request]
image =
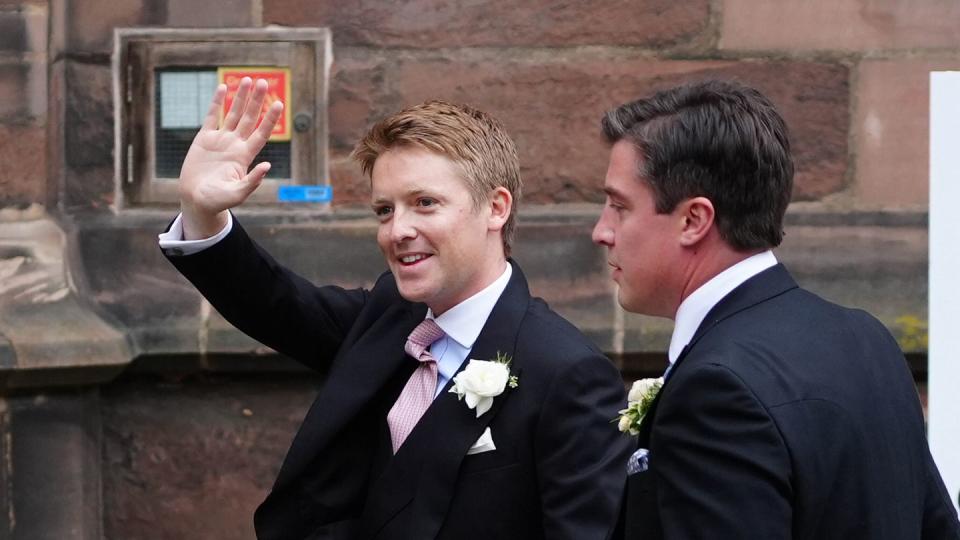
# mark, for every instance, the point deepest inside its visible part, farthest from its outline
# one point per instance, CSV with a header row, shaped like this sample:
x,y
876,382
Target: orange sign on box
x,y
278,89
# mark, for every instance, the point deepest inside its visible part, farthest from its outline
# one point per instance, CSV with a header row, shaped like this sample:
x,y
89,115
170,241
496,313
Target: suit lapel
x,y
643,438
428,462
353,383
771,282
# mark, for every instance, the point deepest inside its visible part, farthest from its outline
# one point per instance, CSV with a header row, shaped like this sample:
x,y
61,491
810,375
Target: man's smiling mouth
x,y
413,258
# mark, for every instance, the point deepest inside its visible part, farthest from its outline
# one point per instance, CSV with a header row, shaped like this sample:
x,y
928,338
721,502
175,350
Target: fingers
x,y
252,180
213,114
251,112
239,104
262,134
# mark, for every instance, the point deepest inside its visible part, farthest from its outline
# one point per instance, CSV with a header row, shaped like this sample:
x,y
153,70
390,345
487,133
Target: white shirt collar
x,y
464,321
695,307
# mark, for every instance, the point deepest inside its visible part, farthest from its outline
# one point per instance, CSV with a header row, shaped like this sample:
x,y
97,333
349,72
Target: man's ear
x,y
501,203
697,215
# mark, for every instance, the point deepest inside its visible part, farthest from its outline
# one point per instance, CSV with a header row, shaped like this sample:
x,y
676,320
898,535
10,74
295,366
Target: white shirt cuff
x,y
173,241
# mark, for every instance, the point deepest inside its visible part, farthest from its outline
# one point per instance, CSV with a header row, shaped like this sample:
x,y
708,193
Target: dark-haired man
x,y
781,415
521,449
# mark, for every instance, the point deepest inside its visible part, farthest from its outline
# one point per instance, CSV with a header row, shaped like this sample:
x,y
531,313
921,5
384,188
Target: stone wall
x,y
23,103
130,409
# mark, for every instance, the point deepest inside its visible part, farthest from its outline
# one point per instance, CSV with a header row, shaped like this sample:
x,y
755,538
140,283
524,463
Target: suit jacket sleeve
x,y
939,515
721,465
269,302
581,456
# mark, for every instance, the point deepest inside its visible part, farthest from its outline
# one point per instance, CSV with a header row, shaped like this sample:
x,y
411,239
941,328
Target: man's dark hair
x,y
715,139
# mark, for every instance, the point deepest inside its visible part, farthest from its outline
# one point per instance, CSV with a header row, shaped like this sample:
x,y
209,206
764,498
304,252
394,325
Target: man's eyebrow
x,y
613,192
410,193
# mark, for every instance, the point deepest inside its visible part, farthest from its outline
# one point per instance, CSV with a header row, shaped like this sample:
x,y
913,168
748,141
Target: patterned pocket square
x,y
483,444
638,462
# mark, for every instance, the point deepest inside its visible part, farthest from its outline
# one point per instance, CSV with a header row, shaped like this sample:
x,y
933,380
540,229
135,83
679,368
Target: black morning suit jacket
x,y
787,417
558,468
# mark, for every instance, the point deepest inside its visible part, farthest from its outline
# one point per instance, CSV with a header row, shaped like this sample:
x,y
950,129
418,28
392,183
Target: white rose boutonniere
x,y
641,396
483,380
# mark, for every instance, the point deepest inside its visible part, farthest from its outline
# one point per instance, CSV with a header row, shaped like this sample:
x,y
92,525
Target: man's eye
x,y
382,211
426,202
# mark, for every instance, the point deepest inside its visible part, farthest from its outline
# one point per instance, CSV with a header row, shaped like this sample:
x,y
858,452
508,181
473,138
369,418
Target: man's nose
x,y
602,233
402,227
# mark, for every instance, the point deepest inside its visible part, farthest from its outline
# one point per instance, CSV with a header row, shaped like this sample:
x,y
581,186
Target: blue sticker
x,y
305,194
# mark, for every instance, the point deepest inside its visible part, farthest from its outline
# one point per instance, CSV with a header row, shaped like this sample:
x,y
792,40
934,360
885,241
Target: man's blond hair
x,y
472,139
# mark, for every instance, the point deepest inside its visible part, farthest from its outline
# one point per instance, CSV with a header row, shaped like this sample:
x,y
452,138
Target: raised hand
x,y
214,175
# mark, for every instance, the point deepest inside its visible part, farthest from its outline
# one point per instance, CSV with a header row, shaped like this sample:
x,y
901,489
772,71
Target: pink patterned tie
x,y
418,394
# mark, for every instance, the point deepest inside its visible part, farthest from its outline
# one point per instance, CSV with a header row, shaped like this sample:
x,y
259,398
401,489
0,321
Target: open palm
x,y
214,176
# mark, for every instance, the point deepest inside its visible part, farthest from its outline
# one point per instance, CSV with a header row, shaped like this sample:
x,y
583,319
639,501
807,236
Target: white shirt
x,y
461,324
695,307
173,239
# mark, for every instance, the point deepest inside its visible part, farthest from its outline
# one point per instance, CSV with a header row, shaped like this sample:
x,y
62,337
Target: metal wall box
x,y
163,80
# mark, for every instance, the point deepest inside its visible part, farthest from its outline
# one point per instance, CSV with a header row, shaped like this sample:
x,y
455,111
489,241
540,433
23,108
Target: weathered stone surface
x,y
552,107
89,113
646,335
23,154
857,260
565,268
6,482
23,90
342,251
356,100
88,188
127,276
55,463
879,267
344,254
433,23
892,131
51,331
221,14
13,84
838,24
194,458
89,25
23,30
87,147
13,32
57,92
350,186
8,355
123,272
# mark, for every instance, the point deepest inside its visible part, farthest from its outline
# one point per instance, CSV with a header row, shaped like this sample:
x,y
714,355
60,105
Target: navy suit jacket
x,y
788,417
557,471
